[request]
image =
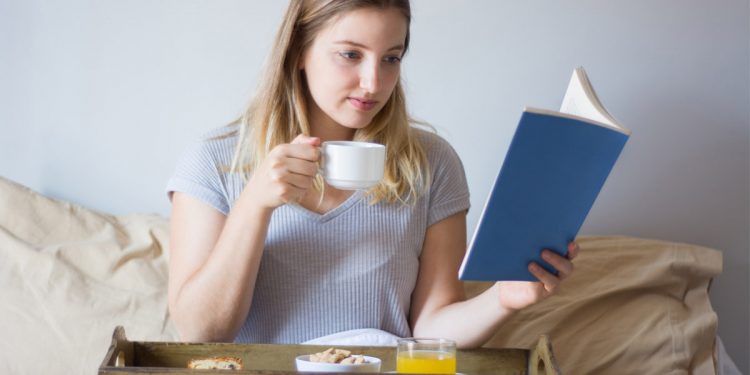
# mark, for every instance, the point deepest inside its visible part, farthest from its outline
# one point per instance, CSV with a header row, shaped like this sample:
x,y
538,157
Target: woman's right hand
x,y
287,173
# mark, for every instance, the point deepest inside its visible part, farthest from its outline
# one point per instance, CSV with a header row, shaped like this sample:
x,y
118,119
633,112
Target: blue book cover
x,y
553,171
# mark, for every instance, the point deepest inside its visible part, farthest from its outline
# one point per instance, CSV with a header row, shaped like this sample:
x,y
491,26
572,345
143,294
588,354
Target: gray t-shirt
x,y
352,267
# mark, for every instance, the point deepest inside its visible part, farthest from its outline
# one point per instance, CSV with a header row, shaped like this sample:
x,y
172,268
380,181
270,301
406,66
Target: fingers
x,y
287,173
299,173
548,280
285,187
303,139
302,147
289,193
280,176
304,151
300,167
298,157
563,265
573,250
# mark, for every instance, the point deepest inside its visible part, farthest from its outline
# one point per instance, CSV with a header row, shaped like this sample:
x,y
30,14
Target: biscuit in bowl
x,y
337,360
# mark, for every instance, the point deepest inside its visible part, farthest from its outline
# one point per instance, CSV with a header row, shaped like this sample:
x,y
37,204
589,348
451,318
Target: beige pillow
x,y
69,275
633,306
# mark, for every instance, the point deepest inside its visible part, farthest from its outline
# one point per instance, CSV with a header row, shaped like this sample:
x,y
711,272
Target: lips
x,y
361,103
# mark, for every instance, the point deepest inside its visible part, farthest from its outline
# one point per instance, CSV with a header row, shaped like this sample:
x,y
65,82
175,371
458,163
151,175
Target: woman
x,y
262,250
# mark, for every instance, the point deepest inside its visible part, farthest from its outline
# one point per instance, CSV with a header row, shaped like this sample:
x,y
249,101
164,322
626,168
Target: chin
x,y
356,122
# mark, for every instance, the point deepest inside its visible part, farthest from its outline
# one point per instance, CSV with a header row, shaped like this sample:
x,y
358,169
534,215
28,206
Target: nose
x,y
369,77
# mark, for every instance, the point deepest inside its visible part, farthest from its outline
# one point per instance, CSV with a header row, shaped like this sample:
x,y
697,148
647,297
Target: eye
x,y
349,55
392,59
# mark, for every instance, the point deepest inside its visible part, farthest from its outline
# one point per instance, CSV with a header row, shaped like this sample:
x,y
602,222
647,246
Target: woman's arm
x,y
439,308
212,267
214,259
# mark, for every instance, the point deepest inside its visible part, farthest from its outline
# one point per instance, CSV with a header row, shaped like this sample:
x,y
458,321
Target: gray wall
x,y
99,97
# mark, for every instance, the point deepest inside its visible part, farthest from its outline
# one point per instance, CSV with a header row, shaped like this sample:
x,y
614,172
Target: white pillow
x,y
357,337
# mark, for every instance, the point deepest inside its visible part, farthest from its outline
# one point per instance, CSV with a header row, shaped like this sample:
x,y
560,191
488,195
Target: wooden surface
x,y
172,358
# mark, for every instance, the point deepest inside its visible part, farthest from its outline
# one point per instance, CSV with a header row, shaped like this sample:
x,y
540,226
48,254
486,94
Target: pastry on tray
x,y
216,363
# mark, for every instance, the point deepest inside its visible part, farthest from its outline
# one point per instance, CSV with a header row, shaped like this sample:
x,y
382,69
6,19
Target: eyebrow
x,y
360,45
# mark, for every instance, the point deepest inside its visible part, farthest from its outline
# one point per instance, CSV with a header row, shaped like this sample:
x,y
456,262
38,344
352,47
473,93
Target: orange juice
x,y
426,362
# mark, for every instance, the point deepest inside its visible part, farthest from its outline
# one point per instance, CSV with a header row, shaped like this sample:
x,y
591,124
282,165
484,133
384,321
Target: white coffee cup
x,y
350,165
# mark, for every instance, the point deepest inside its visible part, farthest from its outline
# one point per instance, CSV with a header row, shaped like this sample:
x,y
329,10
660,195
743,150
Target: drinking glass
x,y
425,356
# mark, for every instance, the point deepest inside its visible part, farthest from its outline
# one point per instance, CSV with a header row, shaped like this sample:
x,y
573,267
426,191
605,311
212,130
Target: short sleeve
x,y
449,191
200,172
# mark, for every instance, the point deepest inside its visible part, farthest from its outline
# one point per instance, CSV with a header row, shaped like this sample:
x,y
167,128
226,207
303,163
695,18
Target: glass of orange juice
x,y
426,356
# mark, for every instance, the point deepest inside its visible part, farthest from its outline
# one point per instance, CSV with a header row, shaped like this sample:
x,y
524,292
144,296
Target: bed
x,y
70,275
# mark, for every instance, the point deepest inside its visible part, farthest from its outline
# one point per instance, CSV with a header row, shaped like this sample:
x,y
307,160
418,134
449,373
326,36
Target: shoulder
x,y
227,131
444,164
203,169
448,189
210,156
225,136
436,147
216,145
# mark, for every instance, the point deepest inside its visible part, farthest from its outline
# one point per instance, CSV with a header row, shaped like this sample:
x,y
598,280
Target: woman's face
x,y
353,66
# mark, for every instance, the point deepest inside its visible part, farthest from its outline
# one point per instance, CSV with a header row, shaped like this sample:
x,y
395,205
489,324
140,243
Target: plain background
x,y
98,98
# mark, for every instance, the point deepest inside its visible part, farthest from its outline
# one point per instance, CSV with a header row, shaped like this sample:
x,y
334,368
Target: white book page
x,y
580,100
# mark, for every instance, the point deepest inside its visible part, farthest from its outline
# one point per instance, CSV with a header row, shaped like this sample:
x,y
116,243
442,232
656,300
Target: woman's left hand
x,y
515,295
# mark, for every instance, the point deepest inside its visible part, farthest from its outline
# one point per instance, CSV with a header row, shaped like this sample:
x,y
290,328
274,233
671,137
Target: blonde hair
x,y
278,112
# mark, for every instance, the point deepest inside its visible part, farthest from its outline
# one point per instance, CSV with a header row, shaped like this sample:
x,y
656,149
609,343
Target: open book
x,y
553,171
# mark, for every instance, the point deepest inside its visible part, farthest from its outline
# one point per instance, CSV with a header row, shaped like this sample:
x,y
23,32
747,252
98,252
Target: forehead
x,y
372,27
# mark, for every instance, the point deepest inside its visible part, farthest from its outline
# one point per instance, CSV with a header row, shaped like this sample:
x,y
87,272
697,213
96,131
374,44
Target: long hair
x,y
278,112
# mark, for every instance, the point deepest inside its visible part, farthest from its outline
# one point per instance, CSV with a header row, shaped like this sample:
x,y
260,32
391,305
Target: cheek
x,y
330,82
391,78
344,78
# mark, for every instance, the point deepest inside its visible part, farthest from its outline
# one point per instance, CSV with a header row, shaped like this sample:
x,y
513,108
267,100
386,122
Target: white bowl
x,y
304,365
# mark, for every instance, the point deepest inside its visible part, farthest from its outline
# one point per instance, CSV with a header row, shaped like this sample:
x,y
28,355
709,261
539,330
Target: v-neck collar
x,y
332,213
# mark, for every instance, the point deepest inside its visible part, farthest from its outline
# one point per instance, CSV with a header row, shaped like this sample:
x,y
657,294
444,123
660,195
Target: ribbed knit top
x,y
353,267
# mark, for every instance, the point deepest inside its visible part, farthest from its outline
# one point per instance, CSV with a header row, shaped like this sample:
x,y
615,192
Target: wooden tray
x,y
156,358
